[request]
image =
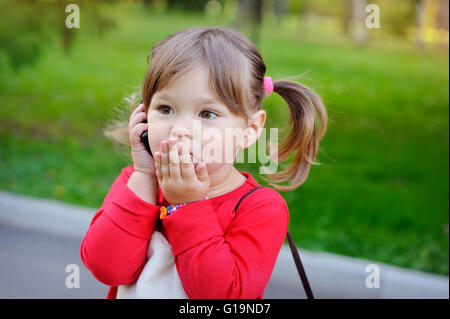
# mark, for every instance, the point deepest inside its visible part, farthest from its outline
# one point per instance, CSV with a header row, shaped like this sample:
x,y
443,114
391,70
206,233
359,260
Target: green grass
x,y
381,193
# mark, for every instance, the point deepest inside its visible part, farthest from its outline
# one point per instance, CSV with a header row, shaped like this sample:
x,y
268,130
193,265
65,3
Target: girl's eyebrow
x,y
207,100
201,100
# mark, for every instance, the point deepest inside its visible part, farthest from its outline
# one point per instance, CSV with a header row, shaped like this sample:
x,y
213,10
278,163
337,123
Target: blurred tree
x,y
67,35
92,17
250,13
421,6
23,33
187,5
347,16
442,19
30,25
280,8
397,16
149,3
358,20
300,8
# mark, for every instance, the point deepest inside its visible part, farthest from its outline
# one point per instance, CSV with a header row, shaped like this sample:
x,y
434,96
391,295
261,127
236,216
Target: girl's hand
x,y
142,160
179,180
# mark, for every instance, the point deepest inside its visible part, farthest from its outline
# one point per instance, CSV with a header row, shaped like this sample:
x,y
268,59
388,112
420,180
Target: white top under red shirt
x,y
203,250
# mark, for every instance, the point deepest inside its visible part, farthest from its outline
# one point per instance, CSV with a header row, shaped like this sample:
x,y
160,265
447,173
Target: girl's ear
x,y
250,132
250,137
257,122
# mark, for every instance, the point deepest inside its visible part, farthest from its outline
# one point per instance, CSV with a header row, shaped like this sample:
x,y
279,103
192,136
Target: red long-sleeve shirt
x,y
218,254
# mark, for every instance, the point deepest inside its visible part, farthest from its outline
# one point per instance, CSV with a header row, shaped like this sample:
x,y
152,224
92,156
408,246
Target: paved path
x,y
33,265
39,238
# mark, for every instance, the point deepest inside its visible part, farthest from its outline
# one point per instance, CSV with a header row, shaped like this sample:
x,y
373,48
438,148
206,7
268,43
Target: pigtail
x,y
116,128
308,123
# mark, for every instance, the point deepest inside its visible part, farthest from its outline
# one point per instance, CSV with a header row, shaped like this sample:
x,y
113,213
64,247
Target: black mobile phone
x,y
144,138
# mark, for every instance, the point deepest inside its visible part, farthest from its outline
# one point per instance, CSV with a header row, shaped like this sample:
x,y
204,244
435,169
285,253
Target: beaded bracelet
x,y
165,211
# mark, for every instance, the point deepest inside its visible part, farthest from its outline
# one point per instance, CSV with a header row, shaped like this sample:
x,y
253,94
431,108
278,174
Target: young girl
x,y
169,226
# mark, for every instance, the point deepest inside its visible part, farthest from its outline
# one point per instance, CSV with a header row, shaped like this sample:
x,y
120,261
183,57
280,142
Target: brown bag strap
x,y
294,250
300,269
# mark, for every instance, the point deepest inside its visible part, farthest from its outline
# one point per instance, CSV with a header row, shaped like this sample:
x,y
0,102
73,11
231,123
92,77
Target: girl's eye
x,y
164,109
209,115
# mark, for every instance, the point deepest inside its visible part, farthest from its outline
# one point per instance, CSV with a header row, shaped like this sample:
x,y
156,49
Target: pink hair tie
x,y
268,85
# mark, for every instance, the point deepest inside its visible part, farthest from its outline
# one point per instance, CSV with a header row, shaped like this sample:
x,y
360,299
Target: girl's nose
x,y
180,133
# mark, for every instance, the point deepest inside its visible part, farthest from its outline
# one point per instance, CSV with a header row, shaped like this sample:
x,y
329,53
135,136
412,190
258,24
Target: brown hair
x,y
236,72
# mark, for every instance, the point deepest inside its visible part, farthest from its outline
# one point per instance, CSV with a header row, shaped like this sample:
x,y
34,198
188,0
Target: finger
x,y
134,121
138,118
202,172
159,174
135,134
165,170
186,165
140,108
174,160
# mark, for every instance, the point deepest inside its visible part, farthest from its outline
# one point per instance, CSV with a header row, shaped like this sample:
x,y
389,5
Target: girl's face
x,y
187,111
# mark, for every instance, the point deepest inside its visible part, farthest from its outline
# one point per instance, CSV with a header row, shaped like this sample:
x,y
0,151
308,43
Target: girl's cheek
x,y
155,138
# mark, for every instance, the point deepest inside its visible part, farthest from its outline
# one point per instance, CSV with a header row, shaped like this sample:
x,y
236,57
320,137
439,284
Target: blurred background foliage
x,y
381,192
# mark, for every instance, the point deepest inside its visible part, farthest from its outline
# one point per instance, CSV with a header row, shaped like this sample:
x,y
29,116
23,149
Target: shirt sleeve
x,y
234,264
115,245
